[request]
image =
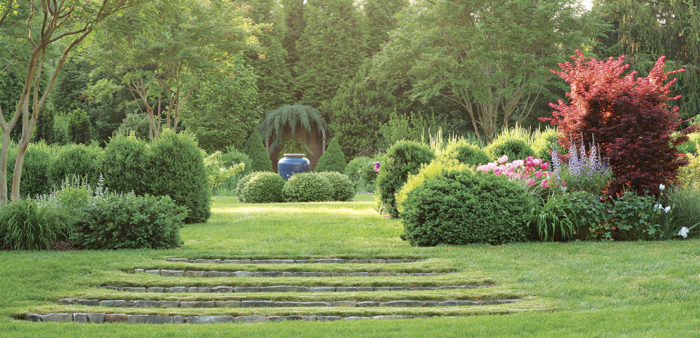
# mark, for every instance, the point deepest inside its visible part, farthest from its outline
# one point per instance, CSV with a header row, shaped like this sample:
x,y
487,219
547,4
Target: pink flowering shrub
x,y
532,171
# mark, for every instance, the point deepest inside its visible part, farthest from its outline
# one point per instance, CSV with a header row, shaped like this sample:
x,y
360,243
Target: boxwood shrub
x,y
124,165
77,160
514,148
176,169
260,187
36,178
465,152
308,187
461,207
402,159
128,221
343,188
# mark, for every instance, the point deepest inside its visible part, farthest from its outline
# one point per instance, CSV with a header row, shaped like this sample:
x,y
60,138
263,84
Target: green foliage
x,y
436,168
632,215
224,108
308,187
255,149
231,158
26,225
71,199
35,171
218,172
689,174
72,127
379,20
333,159
176,169
685,208
343,188
260,187
587,212
77,160
543,142
514,148
293,116
294,146
125,165
330,49
402,159
136,124
357,170
552,220
412,127
465,152
127,221
461,207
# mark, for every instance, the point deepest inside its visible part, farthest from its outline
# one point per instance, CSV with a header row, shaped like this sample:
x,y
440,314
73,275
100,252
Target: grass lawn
x,y
567,289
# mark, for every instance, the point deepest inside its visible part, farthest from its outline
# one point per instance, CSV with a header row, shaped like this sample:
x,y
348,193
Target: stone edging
x,y
293,261
202,273
284,288
270,303
100,318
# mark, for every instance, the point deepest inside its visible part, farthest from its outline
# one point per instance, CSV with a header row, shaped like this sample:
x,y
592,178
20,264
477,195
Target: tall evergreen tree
x,y
294,23
380,19
330,49
255,149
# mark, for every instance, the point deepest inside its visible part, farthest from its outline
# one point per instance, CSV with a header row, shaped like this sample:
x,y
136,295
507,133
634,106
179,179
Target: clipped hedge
x,y
308,187
125,165
128,221
77,160
36,179
343,188
176,169
333,159
402,159
461,207
514,148
260,187
465,152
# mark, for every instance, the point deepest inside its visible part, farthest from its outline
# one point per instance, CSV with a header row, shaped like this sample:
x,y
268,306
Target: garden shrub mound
x,y
255,149
514,148
343,188
176,169
308,187
355,170
333,159
27,225
466,153
260,187
435,168
402,159
77,160
128,221
461,207
36,178
124,165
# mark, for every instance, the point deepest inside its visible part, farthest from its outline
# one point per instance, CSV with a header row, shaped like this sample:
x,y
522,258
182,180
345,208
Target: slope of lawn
x,y
575,289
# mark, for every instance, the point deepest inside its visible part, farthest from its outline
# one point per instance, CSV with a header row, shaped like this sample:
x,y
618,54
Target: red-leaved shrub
x,y
628,116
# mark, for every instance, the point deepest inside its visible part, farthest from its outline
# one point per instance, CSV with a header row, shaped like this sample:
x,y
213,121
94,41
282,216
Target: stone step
x,y
203,273
142,303
285,288
295,260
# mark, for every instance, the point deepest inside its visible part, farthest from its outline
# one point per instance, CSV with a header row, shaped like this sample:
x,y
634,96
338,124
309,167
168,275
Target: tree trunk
x,y
4,154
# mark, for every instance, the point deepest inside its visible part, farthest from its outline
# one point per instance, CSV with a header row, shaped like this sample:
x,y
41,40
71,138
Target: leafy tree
x,y
380,19
642,30
333,159
628,116
489,57
272,127
164,49
294,24
255,149
220,119
330,49
72,127
47,23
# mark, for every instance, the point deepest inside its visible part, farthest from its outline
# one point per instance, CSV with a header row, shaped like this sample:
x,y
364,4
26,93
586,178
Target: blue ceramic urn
x,y
291,164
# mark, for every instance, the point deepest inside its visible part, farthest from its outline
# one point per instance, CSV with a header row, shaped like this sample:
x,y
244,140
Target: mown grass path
x,y
594,289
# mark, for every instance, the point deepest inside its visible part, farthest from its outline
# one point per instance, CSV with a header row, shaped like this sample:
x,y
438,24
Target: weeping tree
x,y
292,116
52,29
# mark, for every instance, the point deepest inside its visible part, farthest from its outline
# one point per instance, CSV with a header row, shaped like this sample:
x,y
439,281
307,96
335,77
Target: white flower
x,y
684,232
658,206
667,209
662,187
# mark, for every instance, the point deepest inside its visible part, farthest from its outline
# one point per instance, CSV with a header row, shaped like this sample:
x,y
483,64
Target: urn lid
x,y
294,155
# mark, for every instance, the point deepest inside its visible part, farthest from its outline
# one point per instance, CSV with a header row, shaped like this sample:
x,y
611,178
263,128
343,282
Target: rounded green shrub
x,y
261,187
333,159
514,148
356,168
127,221
35,170
307,187
343,188
461,207
124,165
255,149
176,169
77,160
240,186
402,159
232,157
465,152
435,168
27,225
